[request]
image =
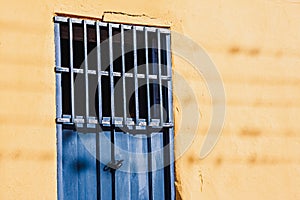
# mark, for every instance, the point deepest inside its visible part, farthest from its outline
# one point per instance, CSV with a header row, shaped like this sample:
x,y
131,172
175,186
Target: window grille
x,y
118,78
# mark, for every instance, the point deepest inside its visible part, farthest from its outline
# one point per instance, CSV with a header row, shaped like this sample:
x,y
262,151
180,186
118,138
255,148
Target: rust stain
x,y
16,155
252,159
192,159
46,156
234,50
29,155
254,52
252,132
219,161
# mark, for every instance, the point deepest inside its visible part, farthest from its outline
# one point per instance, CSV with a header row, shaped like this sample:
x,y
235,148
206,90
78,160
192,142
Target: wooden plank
x,y
138,167
122,175
69,166
105,157
86,166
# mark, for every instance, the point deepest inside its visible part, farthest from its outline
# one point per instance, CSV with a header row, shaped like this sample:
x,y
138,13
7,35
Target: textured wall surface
x,y
256,48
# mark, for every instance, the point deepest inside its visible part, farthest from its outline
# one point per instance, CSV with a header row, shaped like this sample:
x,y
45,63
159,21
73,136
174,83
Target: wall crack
x,y
126,14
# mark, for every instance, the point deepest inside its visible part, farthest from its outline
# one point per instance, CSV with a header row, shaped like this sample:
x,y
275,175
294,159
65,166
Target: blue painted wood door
x,y
85,155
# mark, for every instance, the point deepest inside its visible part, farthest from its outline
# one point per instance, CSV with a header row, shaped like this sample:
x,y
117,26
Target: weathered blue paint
x,y
69,163
105,157
138,161
86,165
123,174
157,163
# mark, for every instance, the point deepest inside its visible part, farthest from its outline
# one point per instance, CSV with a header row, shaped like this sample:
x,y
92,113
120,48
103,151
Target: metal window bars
x,y
124,70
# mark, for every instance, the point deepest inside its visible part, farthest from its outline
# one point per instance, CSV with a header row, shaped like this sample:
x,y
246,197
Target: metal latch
x,y
113,165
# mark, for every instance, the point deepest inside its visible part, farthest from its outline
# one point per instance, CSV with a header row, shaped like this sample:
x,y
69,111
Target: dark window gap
x,y
104,46
117,53
66,93
78,46
142,93
130,98
91,47
65,62
118,92
152,53
163,53
93,95
141,53
79,95
128,47
106,106
165,100
154,99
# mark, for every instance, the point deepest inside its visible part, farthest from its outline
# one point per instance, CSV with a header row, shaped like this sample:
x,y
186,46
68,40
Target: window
x,y
114,95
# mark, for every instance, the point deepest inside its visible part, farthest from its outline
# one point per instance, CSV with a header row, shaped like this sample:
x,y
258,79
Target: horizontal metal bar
x,y
150,29
60,19
152,76
76,20
79,120
63,120
154,122
127,26
106,121
103,24
61,69
167,78
92,120
142,122
113,25
90,22
104,73
118,74
165,31
141,75
78,71
129,75
130,122
118,121
92,71
168,124
139,28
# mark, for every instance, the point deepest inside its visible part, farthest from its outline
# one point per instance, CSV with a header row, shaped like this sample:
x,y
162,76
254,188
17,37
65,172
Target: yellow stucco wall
x,y
255,45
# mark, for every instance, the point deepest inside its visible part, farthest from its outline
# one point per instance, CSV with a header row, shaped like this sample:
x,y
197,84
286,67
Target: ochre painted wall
x,y
255,46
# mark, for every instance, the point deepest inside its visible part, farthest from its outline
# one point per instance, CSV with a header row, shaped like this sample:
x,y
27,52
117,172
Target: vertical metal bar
x,y
86,71
169,73
99,71
155,81
111,70
123,75
149,151
71,69
159,77
170,106
58,111
147,76
135,76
